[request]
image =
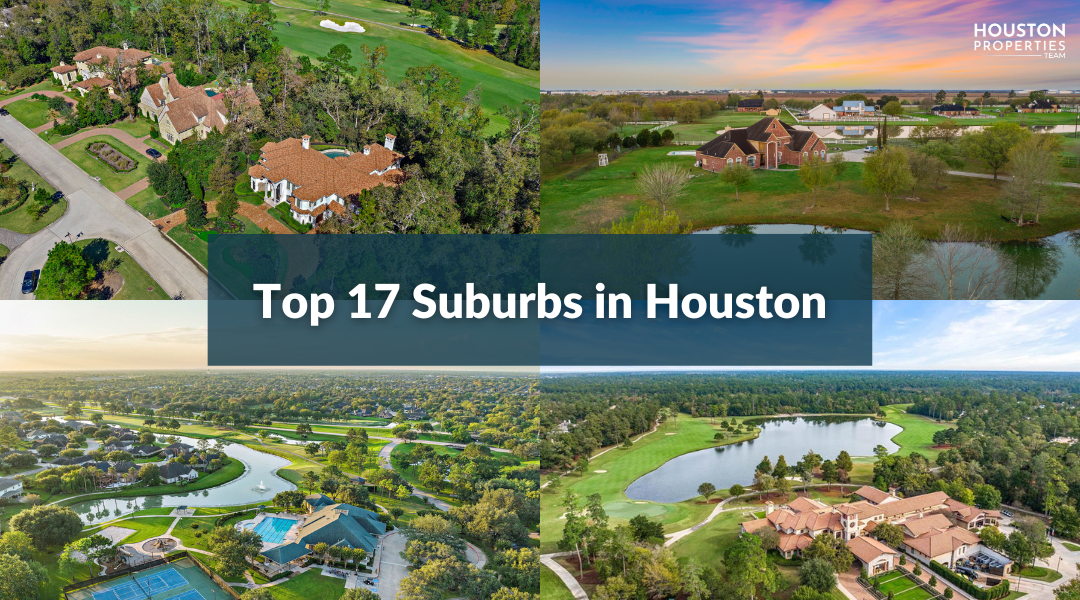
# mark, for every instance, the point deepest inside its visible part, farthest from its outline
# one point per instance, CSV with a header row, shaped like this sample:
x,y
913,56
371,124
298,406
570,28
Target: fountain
x,y
261,487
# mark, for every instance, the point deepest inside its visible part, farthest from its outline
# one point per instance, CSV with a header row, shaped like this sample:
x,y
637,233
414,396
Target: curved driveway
x,y
95,212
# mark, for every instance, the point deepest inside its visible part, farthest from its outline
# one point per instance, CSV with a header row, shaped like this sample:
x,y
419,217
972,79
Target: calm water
x,y
259,468
1044,269
679,478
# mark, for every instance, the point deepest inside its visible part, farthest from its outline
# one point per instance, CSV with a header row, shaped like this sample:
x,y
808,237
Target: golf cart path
x,y
548,560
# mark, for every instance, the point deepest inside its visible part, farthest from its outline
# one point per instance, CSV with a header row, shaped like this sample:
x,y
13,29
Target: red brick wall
x,y
715,163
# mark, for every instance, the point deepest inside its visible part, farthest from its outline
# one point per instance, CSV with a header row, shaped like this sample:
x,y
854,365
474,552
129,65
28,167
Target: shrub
x,y
916,571
933,581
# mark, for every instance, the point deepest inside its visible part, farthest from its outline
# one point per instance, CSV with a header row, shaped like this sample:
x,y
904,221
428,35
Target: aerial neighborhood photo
x,y
963,164
189,485
132,132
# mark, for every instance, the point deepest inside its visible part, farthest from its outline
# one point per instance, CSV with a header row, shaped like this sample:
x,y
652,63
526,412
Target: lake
x,y
1043,269
260,468
724,466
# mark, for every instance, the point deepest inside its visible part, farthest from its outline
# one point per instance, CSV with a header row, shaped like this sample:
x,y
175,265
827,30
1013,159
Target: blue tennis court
x,y
188,595
142,587
272,529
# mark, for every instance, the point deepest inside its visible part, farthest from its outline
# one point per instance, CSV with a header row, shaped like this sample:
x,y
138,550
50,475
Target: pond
x,y
260,470
1042,269
724,466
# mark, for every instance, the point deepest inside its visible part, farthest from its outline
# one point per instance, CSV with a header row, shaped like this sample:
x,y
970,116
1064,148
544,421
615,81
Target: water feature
x,y
335,153
723,466
1043,269
258,467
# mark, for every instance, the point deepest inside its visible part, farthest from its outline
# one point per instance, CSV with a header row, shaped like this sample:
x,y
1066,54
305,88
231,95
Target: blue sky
x,y
816,44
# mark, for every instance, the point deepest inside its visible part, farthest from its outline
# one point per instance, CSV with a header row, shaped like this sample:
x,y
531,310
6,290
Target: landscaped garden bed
x,y
115,159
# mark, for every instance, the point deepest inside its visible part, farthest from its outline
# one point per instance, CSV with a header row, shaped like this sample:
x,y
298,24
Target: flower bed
x,y
115,159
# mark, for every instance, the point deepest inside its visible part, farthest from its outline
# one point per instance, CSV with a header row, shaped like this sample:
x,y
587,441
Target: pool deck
x,y
290,535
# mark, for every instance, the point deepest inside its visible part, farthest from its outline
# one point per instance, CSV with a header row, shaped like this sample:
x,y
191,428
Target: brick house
x,y
750,105
954,110
314,183
194,113
1039,106
765,144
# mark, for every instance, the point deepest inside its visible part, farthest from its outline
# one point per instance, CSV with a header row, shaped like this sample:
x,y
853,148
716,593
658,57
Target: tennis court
x,y
181,580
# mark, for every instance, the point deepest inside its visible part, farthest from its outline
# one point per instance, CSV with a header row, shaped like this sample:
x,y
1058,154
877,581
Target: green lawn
x,y
623,466
310,585
18,220
502,82
29,112
900,583
149,204
95,168
1040,574
195,245
187,534
3,251
602,195
918,433
1070,546
551,587
145,528
138,284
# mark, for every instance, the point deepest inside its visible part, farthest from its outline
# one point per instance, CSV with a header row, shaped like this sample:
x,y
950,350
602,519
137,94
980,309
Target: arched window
x,y
738,160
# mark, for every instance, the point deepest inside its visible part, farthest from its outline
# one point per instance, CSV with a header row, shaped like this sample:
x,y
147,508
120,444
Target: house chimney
x,y
124,44
389,143
164,83
306,142
367,150
727,127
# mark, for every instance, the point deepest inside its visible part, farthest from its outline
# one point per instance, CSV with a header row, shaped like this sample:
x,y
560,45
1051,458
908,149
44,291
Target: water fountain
x,y
261,487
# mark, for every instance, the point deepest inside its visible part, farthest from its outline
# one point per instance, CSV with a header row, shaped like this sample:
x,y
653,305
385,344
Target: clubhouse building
x,y
935,527
767,144
331,524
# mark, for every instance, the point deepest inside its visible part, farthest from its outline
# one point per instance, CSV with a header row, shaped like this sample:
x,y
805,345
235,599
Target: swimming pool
x,y
273,529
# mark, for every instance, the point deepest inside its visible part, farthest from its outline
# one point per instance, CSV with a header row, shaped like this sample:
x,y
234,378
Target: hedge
x,y
14,207
998,591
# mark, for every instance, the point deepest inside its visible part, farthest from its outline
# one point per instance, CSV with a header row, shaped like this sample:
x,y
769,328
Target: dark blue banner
x,y
545,300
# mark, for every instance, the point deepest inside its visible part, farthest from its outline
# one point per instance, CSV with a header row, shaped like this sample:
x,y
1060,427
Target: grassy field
x,y
149,204
3,251
622,466
195,245
1040,574
29,112
95,168
598,197
138,284
19,220
502,82
551,587
309,586
918,432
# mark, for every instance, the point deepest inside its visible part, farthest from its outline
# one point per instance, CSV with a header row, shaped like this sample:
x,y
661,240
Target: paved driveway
x,y
95,212
392,568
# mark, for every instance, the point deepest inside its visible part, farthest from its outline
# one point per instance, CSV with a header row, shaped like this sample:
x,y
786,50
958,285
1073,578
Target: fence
x,y
80,585
219,581
912,578
998,591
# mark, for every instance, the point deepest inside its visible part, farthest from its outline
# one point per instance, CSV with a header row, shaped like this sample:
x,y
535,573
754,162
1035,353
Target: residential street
x,y
95,212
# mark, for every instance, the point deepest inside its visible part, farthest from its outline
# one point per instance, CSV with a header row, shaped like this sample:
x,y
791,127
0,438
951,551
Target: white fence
x,y
862,119
659,124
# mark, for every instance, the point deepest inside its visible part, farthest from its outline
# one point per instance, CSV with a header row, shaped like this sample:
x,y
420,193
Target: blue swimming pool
x,y
273,529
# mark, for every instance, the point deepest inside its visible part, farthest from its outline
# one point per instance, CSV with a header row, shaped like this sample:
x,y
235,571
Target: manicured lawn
x,y
310,585
502,82
243,190
138,284
149,204
195,245
3,251
20,170
145,528
598,197
1040,573
95,168
188,536
18,220
898,583
1070,546
551,587
622,467
138,128
918,433
160,145
29,112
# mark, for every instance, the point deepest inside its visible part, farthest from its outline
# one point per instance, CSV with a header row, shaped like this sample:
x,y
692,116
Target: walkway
x,y
384,459
96,212
548,560
135,143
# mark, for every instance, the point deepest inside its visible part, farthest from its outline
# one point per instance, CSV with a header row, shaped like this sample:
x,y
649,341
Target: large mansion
x,y
313,182
765,144
935,526
182,112
92,68
1039,106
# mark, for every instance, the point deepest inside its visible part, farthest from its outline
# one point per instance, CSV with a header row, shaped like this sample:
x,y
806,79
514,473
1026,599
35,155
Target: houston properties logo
x,y
1038,40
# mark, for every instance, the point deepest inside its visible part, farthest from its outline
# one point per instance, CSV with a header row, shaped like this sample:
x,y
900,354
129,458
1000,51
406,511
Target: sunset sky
x,y
814,44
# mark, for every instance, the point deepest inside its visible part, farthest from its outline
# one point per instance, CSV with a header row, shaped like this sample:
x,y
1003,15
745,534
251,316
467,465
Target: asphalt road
x,y
95,212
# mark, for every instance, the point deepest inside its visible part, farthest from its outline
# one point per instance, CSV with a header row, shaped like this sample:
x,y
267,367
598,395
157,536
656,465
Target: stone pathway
x,y
133,189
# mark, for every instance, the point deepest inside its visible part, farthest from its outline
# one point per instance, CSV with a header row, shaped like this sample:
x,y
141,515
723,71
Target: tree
x,y
887,172
843,461
150,474
736,175
890,534
228,204
266,594
396,513
829,473
993,144
897,263
816,174
440,19
65,274
765,466
706,489
1068,591
663,183
749,569
987,497
1018,548
839,165
1065,520
461,30
817,573
736,490
365,594
893,108
21,578
993,538
966,266
830,549
926,170
47,525
1034,169
195,213
234,548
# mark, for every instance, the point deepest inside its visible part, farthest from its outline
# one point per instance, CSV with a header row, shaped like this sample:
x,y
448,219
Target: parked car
x,y
29,282
1006,513
153,153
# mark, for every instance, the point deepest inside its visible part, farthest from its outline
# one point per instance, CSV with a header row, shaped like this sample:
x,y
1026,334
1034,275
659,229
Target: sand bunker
x,y
600,471
670,434
349,26
115,534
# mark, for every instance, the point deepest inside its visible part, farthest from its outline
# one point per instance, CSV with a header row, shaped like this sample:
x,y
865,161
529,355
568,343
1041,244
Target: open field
x,y
622,467
95,168
502,82
600,196
918,432
308,586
